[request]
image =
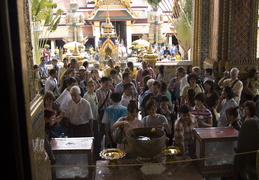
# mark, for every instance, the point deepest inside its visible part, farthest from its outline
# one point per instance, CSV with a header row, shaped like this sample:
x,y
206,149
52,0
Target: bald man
x,y
231,80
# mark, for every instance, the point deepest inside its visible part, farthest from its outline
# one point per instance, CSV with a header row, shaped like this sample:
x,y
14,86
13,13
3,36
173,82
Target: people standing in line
x,y
208,75
83,83
212,98
249,110
183,130
232,117
79,113
51,83
251,87
155,95
111,115
140,77
154,120
202,115
226,101
81,75
126,78
129,122
231,80
61,72
128,94
43,70
192,80
104,98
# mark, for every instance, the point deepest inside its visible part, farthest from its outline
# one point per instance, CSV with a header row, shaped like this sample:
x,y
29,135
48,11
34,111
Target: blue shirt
x,y
113,113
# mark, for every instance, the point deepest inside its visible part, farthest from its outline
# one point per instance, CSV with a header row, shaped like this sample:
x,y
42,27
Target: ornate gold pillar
x,y
225,35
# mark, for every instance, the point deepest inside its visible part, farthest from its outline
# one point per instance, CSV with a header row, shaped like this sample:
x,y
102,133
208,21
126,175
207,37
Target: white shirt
x,y
183,83
125,99
63,99
79,113
51,84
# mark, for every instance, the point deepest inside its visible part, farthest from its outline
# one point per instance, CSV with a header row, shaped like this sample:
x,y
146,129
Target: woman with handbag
x,y
128,122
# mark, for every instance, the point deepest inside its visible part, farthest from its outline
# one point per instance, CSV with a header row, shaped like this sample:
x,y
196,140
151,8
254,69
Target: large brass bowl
x,y
146,143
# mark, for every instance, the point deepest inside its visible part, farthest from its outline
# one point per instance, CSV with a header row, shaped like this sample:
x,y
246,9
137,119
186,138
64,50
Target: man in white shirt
x,y
128,94
80,115
51,83
65,96
182,76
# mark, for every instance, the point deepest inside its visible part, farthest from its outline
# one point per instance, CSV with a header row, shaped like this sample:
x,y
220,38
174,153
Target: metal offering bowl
x,y
146,143
112,154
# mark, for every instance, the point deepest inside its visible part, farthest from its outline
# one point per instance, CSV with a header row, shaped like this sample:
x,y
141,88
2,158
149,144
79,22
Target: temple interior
x,y
220,35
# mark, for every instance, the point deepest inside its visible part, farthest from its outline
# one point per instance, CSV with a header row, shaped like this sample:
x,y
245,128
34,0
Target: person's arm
x,y
107,133
221,81
203,124
167,128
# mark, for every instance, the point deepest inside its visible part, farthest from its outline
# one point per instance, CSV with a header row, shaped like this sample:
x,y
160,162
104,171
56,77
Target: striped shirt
x,y
183,131
101,94
203,115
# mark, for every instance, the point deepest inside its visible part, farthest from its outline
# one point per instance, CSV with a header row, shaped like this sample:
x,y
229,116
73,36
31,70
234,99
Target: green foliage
x,y
154,3
42,13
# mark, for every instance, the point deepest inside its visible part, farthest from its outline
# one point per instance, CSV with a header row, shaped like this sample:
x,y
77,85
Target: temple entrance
x,y
120,29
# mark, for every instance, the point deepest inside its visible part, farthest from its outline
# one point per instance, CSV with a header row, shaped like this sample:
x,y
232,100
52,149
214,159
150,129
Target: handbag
x,y
118,134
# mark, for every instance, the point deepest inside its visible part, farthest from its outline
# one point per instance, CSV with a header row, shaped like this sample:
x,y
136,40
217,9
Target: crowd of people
x,y
87,103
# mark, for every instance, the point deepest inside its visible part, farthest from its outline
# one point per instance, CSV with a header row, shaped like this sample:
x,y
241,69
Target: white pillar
x,y
96,33
52,45
129,33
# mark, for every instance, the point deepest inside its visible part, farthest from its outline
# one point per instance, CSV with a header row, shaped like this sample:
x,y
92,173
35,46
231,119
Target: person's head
x,y
234,73
126,77
192,78
113,73
65,61
252,73
196,70
161,69
75,94
163,88
85,64
191,96
115,97
150,83
49,116
71,82
185,113
82,70
105,82
111,63
130,65
164,101
145,80
87,75
144,64
249,108
232,113
189,69
128,89
199,99
208,72
180,71
73,63
156,86
48,98
36,68
118,69
209,86
42,60
70,72
146,72
95,74
151,106
227,92
54,62
91,85
132,108
53,73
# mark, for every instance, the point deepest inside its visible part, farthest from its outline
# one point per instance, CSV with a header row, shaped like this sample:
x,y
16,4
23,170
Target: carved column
x,y
200,45
242,35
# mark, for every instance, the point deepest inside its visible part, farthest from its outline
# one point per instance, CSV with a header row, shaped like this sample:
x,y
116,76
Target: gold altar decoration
x,y
151,57
112,154
71,45
170,153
